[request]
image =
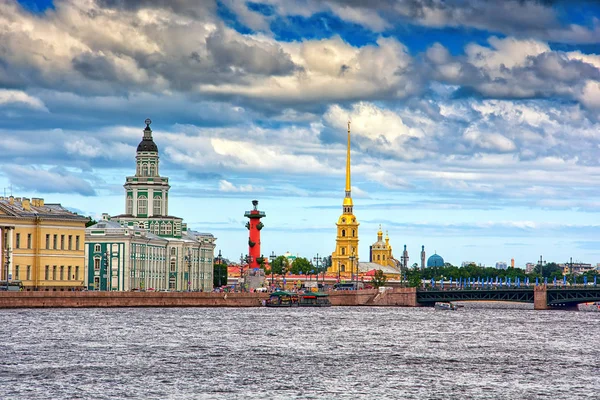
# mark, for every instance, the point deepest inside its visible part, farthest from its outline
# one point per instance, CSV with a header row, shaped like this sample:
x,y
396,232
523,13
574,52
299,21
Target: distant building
x,y
42,244
512,262
575,268
529,267
501,265
435,261
381,252
467,263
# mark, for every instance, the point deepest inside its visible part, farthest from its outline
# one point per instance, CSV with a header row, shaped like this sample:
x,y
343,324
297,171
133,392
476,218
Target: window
x,y
96,264
55,240
28,273
172,284
156,228
29,240
18,244
378,257
144,169
141,225
16,272
353,232
70,242
142,205
152,170
54,272
343,269
47,275
62,242
172,266
129,205
77,273
47,241
97,282
173,251
168,229
383,257
97,248
62,272
157,206
69,273
343,251
163,229
343,232
77,242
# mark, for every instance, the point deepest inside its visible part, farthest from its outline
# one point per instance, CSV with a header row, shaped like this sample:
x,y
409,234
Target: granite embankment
x,y
372,297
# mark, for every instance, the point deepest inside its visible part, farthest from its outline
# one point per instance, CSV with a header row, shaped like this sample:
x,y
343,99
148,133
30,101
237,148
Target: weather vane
x,y
148,121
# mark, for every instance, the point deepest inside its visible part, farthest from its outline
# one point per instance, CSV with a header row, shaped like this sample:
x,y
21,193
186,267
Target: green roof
x,y
316,294
283,293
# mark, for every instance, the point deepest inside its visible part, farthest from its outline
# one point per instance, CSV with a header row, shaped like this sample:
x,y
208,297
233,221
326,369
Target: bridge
x,y
541,296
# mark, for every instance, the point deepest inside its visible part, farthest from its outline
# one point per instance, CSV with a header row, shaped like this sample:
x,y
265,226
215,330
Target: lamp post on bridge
x,y
219,261
352,258
188,259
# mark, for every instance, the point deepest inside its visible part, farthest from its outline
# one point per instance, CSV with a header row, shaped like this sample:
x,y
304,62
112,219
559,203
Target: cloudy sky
x,y
475,124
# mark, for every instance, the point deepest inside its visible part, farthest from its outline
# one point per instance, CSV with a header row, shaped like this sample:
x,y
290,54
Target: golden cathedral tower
x,y
344,259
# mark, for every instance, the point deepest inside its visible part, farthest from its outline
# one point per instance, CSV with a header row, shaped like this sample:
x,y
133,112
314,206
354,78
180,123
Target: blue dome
x,y
435,261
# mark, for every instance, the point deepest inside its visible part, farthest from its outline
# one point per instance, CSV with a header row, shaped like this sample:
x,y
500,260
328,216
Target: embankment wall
x,y
371,297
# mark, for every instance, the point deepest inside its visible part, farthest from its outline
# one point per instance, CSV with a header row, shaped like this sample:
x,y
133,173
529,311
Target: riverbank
x,y
372,297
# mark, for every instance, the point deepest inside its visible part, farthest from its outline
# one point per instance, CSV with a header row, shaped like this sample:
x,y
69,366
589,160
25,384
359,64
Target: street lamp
x,y
339,276
320,260
352,258
219,258
272,257
7,255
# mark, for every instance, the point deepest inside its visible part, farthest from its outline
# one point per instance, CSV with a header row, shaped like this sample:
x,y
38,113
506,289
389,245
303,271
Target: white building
x,y
146,247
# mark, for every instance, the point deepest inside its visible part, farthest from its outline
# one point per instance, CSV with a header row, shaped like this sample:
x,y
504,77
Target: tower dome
x,y
435,261
147,143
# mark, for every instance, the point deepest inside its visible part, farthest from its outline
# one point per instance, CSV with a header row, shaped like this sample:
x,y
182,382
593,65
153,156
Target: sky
x,y
475,124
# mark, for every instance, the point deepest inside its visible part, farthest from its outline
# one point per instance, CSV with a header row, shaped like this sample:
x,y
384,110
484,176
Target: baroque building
x,y
344,259
146,248
381,252
42,244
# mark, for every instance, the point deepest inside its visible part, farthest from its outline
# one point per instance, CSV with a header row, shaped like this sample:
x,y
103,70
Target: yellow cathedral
x,y
344,259
381,252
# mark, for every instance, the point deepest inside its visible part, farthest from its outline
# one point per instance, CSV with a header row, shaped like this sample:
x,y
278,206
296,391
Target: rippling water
x,y
340,352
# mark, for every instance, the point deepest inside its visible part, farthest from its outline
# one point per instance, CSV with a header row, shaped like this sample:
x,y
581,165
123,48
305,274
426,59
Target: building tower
x,y
254,226
422,257
381,252
344,259
405,258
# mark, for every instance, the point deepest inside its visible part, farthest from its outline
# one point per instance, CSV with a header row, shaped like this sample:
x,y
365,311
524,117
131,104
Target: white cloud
x,y
226,186
8,96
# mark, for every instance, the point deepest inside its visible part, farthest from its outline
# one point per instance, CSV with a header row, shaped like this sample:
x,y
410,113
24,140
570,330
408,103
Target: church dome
x,y
147,144
435,261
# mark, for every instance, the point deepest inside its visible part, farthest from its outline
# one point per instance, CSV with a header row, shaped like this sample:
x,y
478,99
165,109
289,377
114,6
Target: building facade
x,y
42,244
381,252
344,259
146,248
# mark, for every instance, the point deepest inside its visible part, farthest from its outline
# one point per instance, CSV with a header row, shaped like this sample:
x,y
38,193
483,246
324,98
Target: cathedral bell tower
x,y
344,259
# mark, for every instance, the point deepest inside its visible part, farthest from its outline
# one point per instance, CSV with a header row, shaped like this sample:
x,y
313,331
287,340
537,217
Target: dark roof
x,y
147,145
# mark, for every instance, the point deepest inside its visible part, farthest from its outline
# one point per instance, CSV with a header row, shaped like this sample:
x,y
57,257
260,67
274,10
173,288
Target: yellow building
x,y
381,252
42,244
344,259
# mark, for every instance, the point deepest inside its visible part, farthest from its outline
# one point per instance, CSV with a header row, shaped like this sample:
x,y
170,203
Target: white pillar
x,y
10,246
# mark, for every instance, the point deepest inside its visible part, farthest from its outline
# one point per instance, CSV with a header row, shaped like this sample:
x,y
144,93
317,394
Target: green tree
x,y
279,265
414,278
301,265
90,222
379,279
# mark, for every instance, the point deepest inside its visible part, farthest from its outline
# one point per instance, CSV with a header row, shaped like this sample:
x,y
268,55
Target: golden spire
x,y
379,233
348,165
348,198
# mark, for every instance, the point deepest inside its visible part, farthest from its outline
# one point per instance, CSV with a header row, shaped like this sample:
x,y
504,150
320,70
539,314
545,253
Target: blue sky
x,y
475,124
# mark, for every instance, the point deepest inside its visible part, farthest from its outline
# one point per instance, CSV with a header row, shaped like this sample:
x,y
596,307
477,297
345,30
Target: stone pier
x,y
540,298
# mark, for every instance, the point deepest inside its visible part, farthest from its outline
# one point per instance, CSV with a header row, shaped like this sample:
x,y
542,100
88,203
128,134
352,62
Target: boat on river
x,y
282,298
443,305
314,299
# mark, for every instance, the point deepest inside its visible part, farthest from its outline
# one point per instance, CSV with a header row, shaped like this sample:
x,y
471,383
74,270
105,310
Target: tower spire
x,y
348,198
348,187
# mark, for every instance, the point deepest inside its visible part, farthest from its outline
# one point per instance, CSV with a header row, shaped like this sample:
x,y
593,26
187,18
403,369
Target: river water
x,y
334,353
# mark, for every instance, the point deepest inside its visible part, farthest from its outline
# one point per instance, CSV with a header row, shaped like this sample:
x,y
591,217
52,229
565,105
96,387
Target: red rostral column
x,y
254,226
